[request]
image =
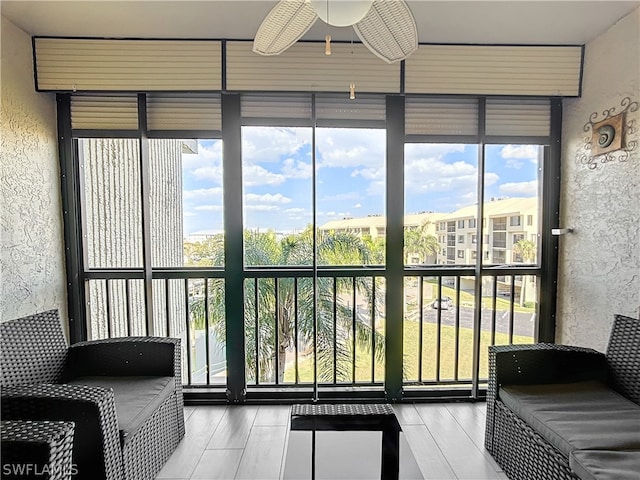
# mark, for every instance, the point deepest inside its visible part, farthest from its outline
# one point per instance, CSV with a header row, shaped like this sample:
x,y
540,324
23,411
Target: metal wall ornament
x,y
610,138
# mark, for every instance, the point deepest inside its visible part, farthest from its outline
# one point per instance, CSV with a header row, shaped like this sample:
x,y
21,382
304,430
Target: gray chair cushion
x,y
577,416
606,464
136,398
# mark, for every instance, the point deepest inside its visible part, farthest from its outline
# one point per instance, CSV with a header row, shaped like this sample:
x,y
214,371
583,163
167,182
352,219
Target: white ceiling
x,y
493,22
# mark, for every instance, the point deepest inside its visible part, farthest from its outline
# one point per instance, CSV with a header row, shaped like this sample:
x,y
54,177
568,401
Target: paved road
x,y
523,323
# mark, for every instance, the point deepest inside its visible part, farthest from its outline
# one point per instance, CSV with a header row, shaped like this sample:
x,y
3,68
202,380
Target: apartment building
x,y
505,223
375,226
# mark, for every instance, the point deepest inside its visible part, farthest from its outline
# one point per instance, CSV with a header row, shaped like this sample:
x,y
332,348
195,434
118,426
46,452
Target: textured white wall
x,y
113,229
31,235
599,269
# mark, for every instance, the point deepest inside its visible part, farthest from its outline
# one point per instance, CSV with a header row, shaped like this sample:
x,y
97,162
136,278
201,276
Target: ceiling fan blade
x,y
389,30
283,26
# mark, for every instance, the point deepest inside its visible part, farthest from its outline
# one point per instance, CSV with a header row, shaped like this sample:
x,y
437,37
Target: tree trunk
x,y
282,358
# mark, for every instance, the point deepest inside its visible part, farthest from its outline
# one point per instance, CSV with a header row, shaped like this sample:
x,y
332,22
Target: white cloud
x,y
426,172
269,144
520,188
466,199
357,205
202,193
351,147
520,151
298,214
208,173
261,208
369,173
351,156
206,157
256,175
434,175
490,178
377,189
208,208
296,169
253,198
513,154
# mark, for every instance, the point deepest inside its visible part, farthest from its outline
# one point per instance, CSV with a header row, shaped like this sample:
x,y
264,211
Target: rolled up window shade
x,y
113,112
435,116
75,64
494,70
518,117
305,67
184,112
339,107
275,105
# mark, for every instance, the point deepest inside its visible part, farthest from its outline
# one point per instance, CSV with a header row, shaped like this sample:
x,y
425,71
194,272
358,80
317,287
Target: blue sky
x,y
277,177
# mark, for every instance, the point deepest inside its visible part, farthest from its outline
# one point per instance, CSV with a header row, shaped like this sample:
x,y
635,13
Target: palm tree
x,y
418,241
526,249
207,253
376,248
262,307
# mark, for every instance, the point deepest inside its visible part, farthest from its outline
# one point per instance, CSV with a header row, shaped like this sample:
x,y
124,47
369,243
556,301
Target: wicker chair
x,y
40,450
43,379
519,449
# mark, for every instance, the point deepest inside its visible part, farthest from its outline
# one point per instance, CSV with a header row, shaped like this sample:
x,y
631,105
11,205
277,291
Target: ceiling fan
x,y
386,27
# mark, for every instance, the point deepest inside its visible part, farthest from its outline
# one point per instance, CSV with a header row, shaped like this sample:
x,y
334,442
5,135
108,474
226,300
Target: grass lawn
x,y
411,347
447,351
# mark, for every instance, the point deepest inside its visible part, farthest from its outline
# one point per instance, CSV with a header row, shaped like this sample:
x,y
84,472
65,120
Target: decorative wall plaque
x,y
610,137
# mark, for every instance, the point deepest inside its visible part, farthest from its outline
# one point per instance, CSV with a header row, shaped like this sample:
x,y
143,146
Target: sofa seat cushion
x,y
577,416
136,398
606,464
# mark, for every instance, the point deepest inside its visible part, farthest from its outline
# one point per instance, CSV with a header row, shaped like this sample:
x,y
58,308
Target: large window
x,y
351,189
277,196
186,202
441,187
298,244
285,226
440,190
512,195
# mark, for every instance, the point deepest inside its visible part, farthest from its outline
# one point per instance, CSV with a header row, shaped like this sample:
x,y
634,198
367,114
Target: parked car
x,y
444,305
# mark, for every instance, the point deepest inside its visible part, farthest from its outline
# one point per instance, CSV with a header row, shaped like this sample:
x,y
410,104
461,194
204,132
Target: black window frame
x,y
78,274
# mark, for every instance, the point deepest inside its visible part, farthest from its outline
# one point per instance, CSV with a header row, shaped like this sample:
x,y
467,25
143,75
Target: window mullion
x,y
233,247
71,208
145,186
394,248
550,219
477,313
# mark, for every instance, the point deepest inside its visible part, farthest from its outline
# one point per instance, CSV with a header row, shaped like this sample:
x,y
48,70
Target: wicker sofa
x,y
124,395
561,412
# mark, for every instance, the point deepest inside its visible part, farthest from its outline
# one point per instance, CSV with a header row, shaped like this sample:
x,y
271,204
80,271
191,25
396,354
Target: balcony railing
x,y
339,339
344,324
